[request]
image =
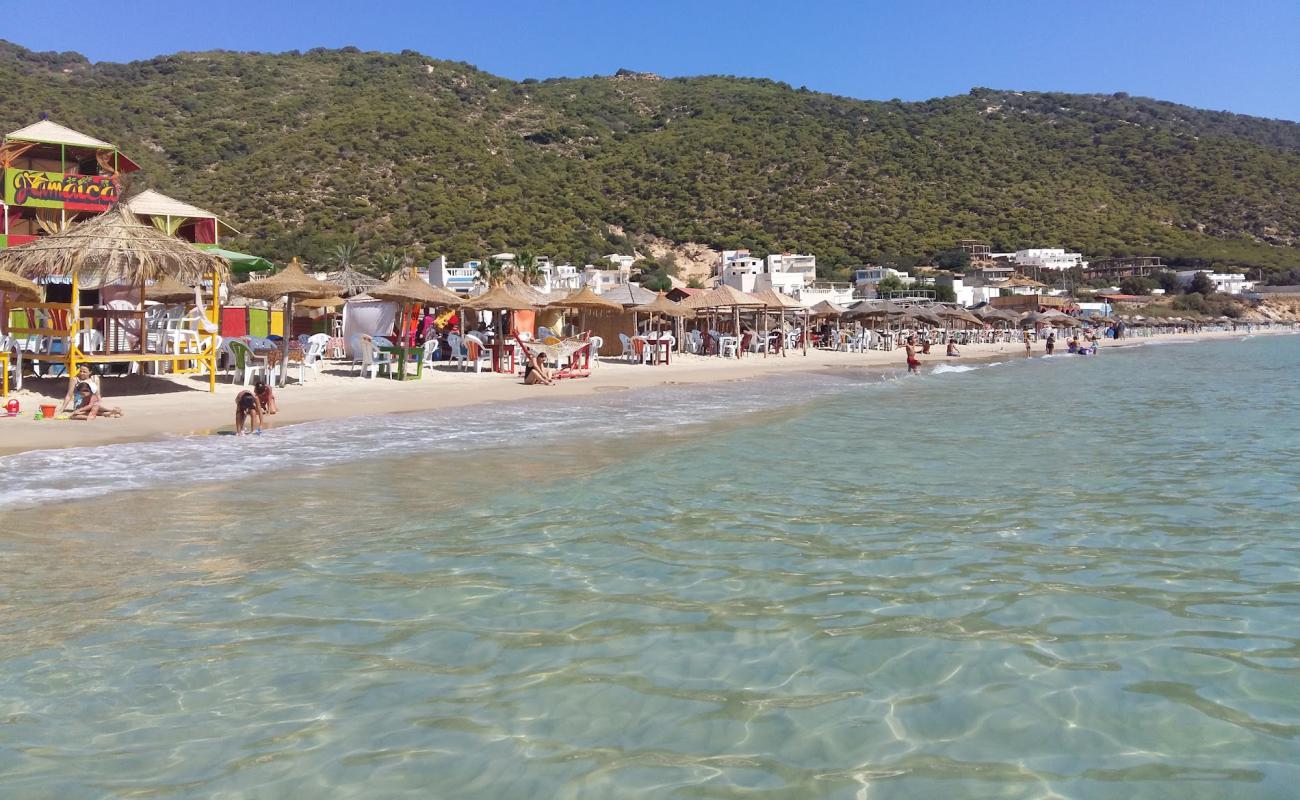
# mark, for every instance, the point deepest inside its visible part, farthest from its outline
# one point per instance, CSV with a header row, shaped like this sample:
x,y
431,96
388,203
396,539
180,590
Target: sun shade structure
x,y
9,282
112,248
723,297
289,283
629,294
168,290
497,298
878,308
352,281
115,248
826,309
586,300
958,315
773,299
322,302
408,287
239,262
662,306
528,292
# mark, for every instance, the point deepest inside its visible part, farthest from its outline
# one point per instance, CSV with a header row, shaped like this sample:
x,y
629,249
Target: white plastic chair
x,y
479,356
597,342
694,342
628,354
243,363
728,346
313,352
429,351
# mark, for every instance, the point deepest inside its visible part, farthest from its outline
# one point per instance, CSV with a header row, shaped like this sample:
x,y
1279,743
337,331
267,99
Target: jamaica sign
x,y
58,190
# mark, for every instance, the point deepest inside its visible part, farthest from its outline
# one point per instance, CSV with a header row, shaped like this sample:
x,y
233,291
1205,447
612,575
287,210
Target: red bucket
x,y
47,410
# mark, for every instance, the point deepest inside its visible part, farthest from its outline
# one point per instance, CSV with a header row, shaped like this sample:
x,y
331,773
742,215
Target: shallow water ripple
x,y
912,589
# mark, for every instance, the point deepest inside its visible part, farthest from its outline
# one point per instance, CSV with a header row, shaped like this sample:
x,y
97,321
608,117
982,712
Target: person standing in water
x,y
1051,343
1028,343
913,363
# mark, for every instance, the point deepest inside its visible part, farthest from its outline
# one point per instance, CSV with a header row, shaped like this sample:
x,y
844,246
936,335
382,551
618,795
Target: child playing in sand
x,y
247,409
83,376
88,404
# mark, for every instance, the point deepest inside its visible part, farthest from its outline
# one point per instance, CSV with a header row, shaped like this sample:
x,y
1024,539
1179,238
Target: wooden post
x,y
74,325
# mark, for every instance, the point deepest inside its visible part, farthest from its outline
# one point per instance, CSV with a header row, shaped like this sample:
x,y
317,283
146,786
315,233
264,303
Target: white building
x,y
790,273
1044,258
602,280
620,261
866,278
1224,282
560,277
460,280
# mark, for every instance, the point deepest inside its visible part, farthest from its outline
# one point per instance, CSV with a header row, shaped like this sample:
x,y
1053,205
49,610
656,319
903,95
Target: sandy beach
x,y
160,407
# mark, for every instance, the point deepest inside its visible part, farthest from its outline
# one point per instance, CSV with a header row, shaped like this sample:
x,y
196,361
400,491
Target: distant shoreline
x,y
161,408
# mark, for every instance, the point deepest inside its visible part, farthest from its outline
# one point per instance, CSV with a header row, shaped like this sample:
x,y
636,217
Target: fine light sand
x,y
159,407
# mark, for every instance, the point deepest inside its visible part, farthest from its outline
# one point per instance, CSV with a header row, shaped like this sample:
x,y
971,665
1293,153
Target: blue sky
x,y
1240,55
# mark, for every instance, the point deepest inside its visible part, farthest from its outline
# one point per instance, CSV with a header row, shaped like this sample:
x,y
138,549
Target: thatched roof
x,y
54,133
113,247
408,287
9,282
522,288
662,306
333,301
586,300
497,298
918,314
875,308
958,314
826,309
723,297
168,290
353,282
290,281
629,294
774,299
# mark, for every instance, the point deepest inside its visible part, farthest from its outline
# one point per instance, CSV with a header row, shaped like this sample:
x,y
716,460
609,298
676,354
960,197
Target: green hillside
x,y
301,151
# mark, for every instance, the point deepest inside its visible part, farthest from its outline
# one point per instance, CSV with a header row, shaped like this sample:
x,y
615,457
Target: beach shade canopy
x,y
958,315
586,300
112,248
773,299
168,290
527,291
289,283
333,301
9,282
923,316
352,281
664,307
876,308
826,309
409,288
1030,318
723,296
497,298
629,294
239,262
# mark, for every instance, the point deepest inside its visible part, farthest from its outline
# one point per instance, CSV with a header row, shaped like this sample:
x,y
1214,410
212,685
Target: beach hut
x,y
715,302
117,255
289,283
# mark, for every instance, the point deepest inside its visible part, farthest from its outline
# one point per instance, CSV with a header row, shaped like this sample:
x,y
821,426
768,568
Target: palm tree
x,y
345,254
526,267
385,264
492,272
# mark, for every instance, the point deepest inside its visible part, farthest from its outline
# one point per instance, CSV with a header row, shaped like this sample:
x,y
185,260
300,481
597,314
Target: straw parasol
x,y
629,294
664,307
289,283
877,308
9,282
958,315
825,309
917,314
497,298
322,302
583,301
351,281
721,297
409,289
782,302
168,290
113,247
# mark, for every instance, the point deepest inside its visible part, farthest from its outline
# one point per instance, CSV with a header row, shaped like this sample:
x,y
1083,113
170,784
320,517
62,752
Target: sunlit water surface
x,y
1042,578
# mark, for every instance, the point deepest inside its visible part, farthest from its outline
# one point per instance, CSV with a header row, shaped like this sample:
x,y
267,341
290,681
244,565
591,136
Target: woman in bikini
x,y
265,397
535,373
247,409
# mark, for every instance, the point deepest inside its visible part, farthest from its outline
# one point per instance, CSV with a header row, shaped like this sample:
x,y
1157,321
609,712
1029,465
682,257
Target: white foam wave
x,y
943,369
61,475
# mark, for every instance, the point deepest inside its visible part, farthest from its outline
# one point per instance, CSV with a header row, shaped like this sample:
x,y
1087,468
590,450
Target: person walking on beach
x,y
913,363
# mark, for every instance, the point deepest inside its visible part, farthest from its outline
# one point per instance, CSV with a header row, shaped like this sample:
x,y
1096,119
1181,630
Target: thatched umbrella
x,y
113,247
782,302
168,290
351,281
497,298
289,283
958,315
9,282
724,296
408,288
921,315
583,301
661,307
875,308
825,309
331,302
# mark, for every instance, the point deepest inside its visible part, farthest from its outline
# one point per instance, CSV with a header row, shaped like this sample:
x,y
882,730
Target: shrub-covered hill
x,y
302,151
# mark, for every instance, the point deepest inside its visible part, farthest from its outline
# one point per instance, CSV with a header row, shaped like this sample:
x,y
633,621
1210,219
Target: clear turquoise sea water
x,y
1053,578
